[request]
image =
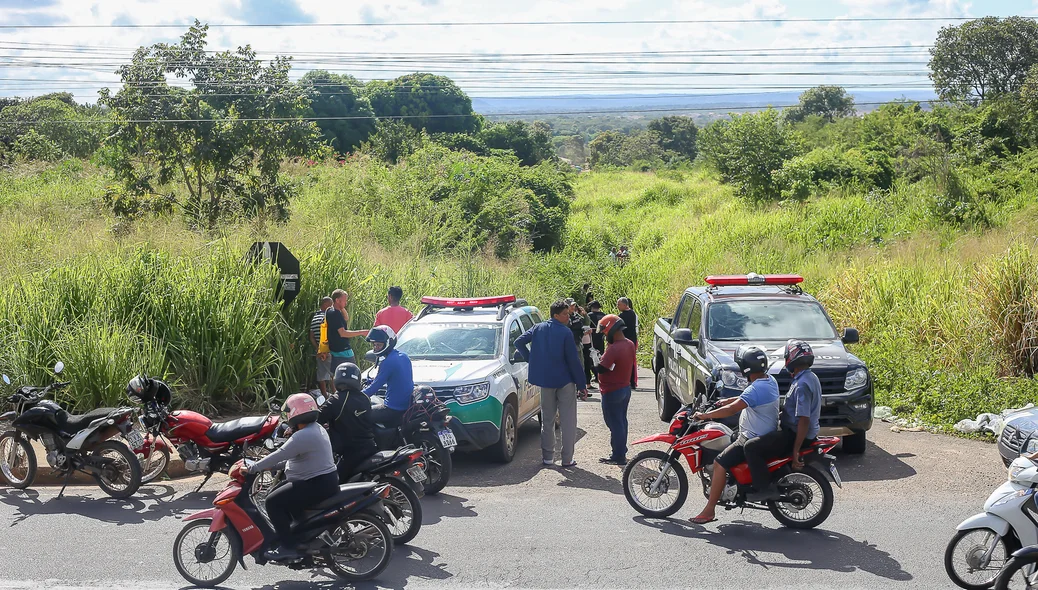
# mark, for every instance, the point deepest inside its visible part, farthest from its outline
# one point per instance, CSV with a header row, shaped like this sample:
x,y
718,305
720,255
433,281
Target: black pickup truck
x,y
693,351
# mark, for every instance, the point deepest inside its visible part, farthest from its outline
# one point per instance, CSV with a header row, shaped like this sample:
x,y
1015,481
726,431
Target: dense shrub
x,y
832,166
748,150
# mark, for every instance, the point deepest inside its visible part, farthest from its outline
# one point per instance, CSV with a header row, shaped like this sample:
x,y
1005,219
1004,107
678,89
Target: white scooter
x,y
984,542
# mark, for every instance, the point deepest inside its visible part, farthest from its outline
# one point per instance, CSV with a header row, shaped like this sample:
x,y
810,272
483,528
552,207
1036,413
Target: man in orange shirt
x,y
394,315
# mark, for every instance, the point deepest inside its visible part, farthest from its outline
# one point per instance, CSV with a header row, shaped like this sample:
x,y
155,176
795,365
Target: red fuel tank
x,y
185,424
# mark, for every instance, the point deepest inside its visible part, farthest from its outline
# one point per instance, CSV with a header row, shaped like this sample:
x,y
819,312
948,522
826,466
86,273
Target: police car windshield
x,y
768,320
448,342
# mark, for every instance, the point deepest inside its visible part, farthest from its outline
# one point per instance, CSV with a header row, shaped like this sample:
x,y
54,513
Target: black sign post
x,y
277,254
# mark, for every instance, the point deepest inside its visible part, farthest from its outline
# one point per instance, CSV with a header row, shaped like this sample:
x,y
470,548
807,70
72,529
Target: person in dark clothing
x,y
578,324
630,319
339,334
347,417
595,315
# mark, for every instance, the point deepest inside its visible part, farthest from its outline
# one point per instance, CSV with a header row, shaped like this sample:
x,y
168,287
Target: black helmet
x,y
423,394
799,355
145,389
751,359
347,377
383,334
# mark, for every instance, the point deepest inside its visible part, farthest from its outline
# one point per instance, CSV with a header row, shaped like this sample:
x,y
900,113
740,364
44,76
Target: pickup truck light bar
x,y
752,279
473,302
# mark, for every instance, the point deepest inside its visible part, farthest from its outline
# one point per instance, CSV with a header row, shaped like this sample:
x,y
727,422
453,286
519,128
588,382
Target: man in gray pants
x,y
555,368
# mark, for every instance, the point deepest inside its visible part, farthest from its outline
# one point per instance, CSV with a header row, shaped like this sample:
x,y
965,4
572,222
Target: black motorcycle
x,y
425,425
72,443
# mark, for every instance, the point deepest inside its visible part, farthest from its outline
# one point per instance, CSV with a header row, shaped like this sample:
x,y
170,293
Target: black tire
x,y
160,462
504,449
854,444
653,460
952,559
371,520
402,492
666,404
438,462
1011,569
23,454
825,507
234,548
128,474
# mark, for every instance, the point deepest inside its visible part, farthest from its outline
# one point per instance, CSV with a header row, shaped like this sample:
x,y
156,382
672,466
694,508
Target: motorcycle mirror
x,y
59,367
320,400
371,357
7,379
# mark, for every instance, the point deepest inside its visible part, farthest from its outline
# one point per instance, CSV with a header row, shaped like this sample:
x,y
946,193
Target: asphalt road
x,y
521,525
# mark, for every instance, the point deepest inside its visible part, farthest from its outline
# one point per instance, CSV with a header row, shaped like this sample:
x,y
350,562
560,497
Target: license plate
x,y
417,473
135,438
447,439
836,475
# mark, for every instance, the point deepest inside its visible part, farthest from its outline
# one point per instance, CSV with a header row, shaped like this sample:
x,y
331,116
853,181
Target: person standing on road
x,y
324,360
798,422
338,330
555,368
595,316
394,315
630,319
580,326
618,374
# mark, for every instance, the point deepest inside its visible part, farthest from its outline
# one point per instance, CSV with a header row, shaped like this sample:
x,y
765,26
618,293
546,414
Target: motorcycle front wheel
x,y
17,461
810,499
403,511
438,462
964,558
120,471
153,466
655,484
363,547
1020,572
203,558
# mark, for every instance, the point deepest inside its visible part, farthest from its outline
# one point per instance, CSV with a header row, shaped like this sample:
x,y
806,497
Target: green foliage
x,y
828,102
133,205
983,58
826,167
462,141
56,121
611,149
334,95
32,145
209,140
748,149
532,144
954,200
817,132
676,134
1007,290
393,140
430,102
571,147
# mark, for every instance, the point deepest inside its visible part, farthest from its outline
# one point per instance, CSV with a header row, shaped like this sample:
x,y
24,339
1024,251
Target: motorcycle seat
x,y
347,492
76,422
221,432
375,460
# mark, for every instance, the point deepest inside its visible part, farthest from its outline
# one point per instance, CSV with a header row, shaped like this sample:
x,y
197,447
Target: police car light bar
x,y
752,279
472,302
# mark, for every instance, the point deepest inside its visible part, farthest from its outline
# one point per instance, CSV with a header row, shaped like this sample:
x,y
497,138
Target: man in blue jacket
x,y
555,368
394,372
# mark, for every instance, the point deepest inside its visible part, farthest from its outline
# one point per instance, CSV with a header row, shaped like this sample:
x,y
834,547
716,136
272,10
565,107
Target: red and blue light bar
x,y
470,302
752,279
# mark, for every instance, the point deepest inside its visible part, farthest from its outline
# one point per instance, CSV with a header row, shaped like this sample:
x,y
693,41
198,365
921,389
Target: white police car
x,y
464,349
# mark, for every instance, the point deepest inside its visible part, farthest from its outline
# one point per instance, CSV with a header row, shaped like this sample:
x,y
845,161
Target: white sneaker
x,y
548,463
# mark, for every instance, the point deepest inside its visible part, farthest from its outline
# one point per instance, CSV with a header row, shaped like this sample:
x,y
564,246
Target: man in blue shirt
x,y
555,368
394,372
759,404
798,422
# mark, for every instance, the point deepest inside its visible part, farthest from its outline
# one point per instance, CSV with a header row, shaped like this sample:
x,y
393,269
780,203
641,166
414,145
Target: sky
x,y
716,58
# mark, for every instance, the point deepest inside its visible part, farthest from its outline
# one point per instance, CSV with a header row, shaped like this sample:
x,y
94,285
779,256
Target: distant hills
x,y
702,104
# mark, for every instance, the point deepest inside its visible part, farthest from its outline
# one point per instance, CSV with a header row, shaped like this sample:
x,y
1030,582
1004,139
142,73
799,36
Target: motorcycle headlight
x,y
856,378
466,394
734,380
1012,496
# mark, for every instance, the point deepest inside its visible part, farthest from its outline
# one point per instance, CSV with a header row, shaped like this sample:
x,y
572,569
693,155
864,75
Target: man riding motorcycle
x,y
347,416
309,468
394,372
759,404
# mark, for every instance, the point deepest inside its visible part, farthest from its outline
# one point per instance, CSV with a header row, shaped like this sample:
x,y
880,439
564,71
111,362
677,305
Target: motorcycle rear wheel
x,y
810,486
1012,577
406,509
122,477
438,462
966,555
360,536
204,548
17,461
641,474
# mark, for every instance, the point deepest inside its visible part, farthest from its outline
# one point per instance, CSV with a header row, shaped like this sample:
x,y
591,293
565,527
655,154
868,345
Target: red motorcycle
x,y
655,484
205,446
343,533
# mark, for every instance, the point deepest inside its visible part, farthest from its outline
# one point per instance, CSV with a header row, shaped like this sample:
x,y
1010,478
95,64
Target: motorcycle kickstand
x,y
204,481
64,484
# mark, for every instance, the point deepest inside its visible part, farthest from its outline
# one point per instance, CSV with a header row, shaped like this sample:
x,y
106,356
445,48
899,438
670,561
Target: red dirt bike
x,y
206,447
655,484
343,533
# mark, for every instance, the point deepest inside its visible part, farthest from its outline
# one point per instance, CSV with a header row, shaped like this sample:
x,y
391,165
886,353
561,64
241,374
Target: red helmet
x,y
610,324
799,355
299,408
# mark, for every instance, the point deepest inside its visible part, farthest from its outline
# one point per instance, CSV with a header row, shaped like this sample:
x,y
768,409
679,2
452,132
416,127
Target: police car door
x,y
520,371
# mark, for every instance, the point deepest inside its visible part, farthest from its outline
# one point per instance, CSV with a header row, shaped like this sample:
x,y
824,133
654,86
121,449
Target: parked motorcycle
x,y
983,543
72,442
425,425
206,447
656,485
343,533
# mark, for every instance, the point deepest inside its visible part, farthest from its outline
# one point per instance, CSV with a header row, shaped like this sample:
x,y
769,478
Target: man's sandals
x,y
701,520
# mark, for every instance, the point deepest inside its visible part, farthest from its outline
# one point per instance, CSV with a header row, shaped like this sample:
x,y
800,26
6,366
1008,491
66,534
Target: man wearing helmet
x,y
759,404
347,416
799,420
309,468
618,374
394,373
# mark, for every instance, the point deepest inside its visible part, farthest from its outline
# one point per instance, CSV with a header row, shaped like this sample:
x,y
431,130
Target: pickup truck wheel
x,y
854,444
504,449
666,405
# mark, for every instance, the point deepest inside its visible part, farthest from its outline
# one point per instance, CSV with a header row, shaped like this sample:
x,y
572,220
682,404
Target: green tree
x,y
424,101
223,141
52,118
747,151
531,143
393,141
612,148
676,134
334,95
984,57
828,102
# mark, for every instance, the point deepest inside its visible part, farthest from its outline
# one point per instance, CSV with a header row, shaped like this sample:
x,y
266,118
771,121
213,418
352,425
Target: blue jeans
x,y
614,411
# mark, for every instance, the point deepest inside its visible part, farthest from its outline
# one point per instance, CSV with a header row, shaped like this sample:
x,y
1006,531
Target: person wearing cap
x,y
617,375
630,319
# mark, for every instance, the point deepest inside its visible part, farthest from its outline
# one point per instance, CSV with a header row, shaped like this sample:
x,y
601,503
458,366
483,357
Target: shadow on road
x,y
875,464
408,563
815,549
436,508
151,503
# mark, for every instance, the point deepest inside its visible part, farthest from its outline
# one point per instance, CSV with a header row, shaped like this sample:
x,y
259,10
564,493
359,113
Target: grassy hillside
x,y
111,297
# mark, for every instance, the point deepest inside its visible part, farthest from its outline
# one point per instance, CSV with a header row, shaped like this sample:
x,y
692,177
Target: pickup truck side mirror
x,y
517,357
850,336
684,336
